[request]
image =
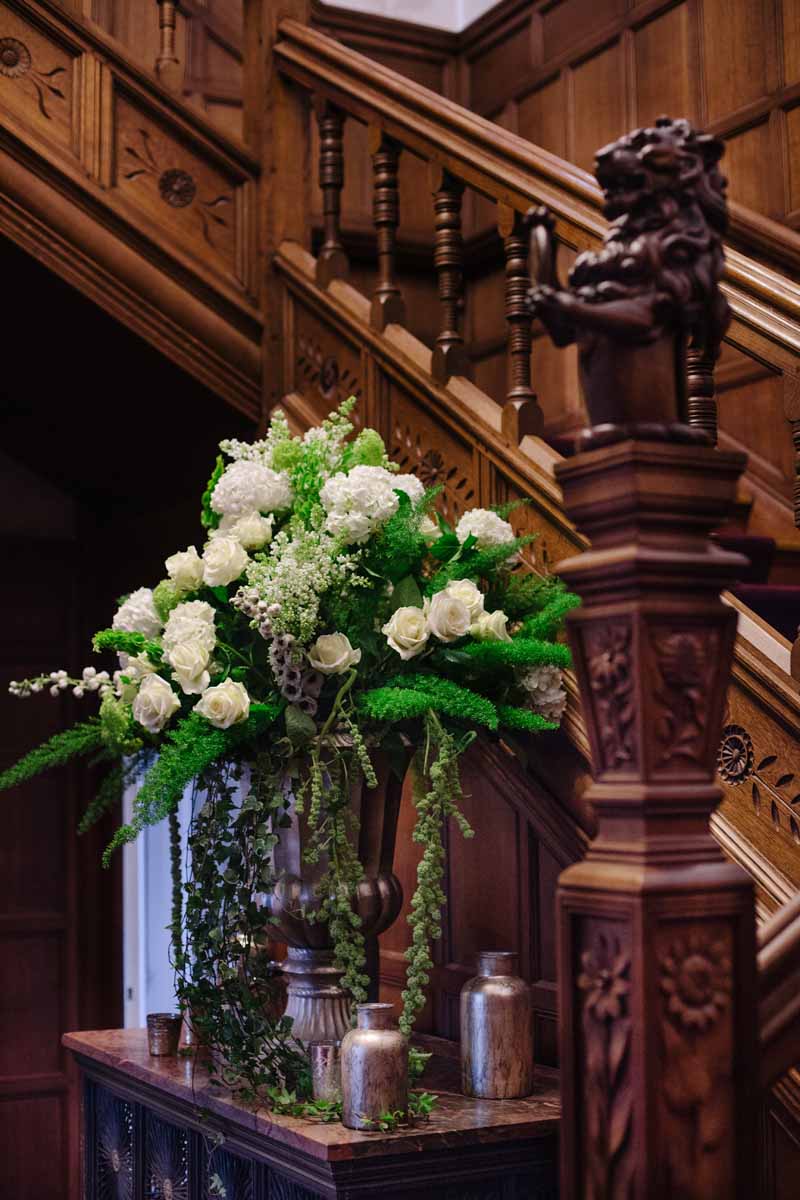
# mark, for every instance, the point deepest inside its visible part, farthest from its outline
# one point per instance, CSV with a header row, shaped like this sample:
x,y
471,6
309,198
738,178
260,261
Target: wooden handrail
x,y
779,988
513,171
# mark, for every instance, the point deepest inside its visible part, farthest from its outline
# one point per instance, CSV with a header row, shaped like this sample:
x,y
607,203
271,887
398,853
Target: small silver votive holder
x,y
326,1070
163,1032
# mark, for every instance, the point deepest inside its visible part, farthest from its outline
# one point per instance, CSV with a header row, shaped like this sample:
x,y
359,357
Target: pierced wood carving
x,y
326,368
608,649
431,452
604,982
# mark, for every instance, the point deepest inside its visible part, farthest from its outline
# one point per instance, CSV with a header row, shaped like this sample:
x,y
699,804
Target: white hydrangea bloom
x,y
138,614
546,692
486,526
191,621
247,487
359,502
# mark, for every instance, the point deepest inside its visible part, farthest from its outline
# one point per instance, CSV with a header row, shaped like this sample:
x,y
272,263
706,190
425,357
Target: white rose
x,y
407,631
135,669
486,526
185,569
448,617
332,654
429,529
224,705
191,621
224,559
138,614
189,662
491,627
247,487
251,530
466,591
155,703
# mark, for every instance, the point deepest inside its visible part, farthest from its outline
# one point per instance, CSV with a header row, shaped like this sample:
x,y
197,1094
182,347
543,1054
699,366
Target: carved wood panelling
x,y
38,78
430,450
759,769
697,1030
575,76
603,1029
183,194
325,367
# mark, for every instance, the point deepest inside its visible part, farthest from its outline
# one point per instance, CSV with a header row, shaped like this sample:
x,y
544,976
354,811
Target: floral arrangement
x,y
332,613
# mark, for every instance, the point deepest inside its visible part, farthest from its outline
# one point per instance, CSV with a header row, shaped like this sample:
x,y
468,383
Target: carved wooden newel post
x,y
656,930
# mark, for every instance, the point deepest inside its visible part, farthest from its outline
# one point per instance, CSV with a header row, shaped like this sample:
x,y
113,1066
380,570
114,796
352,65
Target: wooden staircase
x,y
131,196
202,244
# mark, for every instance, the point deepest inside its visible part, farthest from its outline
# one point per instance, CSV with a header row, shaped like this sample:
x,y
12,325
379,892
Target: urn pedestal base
x,y
318,1006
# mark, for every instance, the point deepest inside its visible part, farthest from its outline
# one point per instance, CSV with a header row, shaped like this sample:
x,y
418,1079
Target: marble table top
x,y
456,1121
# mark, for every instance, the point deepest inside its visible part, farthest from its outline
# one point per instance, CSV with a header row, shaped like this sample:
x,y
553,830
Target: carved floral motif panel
x,y
696,1031
37,78
602,969
683,665
431,451
326,368
189,199
607,662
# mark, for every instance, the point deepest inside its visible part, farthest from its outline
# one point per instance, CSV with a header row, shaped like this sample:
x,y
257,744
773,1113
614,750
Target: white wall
x,y
454,15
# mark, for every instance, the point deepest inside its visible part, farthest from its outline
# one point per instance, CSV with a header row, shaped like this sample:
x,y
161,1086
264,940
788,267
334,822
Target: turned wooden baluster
x,y
700,390
449,354
521,412
387,302
168,68
332,260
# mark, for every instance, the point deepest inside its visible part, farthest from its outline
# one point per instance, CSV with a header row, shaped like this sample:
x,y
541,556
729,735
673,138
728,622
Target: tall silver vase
x,y
316,1002
497,1030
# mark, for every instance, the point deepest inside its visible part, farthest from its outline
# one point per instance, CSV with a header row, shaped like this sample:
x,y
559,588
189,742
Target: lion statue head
x,y
665,197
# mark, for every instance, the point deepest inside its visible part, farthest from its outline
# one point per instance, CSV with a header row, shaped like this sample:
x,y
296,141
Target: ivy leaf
x,y
300,727
406,594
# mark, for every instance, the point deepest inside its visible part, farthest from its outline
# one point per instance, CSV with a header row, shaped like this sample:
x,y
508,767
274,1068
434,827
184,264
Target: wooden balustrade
x,y
700,391
468,150
387,302
449,354
521,412
168,67
331,260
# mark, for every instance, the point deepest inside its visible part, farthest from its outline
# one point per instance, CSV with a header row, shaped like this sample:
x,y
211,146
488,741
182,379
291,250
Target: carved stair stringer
x,y
779,984
129,195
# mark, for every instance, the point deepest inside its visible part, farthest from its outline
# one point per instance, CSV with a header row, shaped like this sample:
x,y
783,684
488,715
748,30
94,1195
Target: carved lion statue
x,y
633,305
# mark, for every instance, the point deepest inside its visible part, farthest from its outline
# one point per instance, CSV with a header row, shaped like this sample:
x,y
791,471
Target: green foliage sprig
x,y
76,742
437,790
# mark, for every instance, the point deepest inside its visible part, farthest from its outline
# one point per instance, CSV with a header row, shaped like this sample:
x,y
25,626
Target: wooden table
x,y
152,1126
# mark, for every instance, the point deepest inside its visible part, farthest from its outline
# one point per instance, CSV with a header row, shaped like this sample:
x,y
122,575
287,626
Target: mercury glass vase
x,y
374,1064
317,1004
497,1030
